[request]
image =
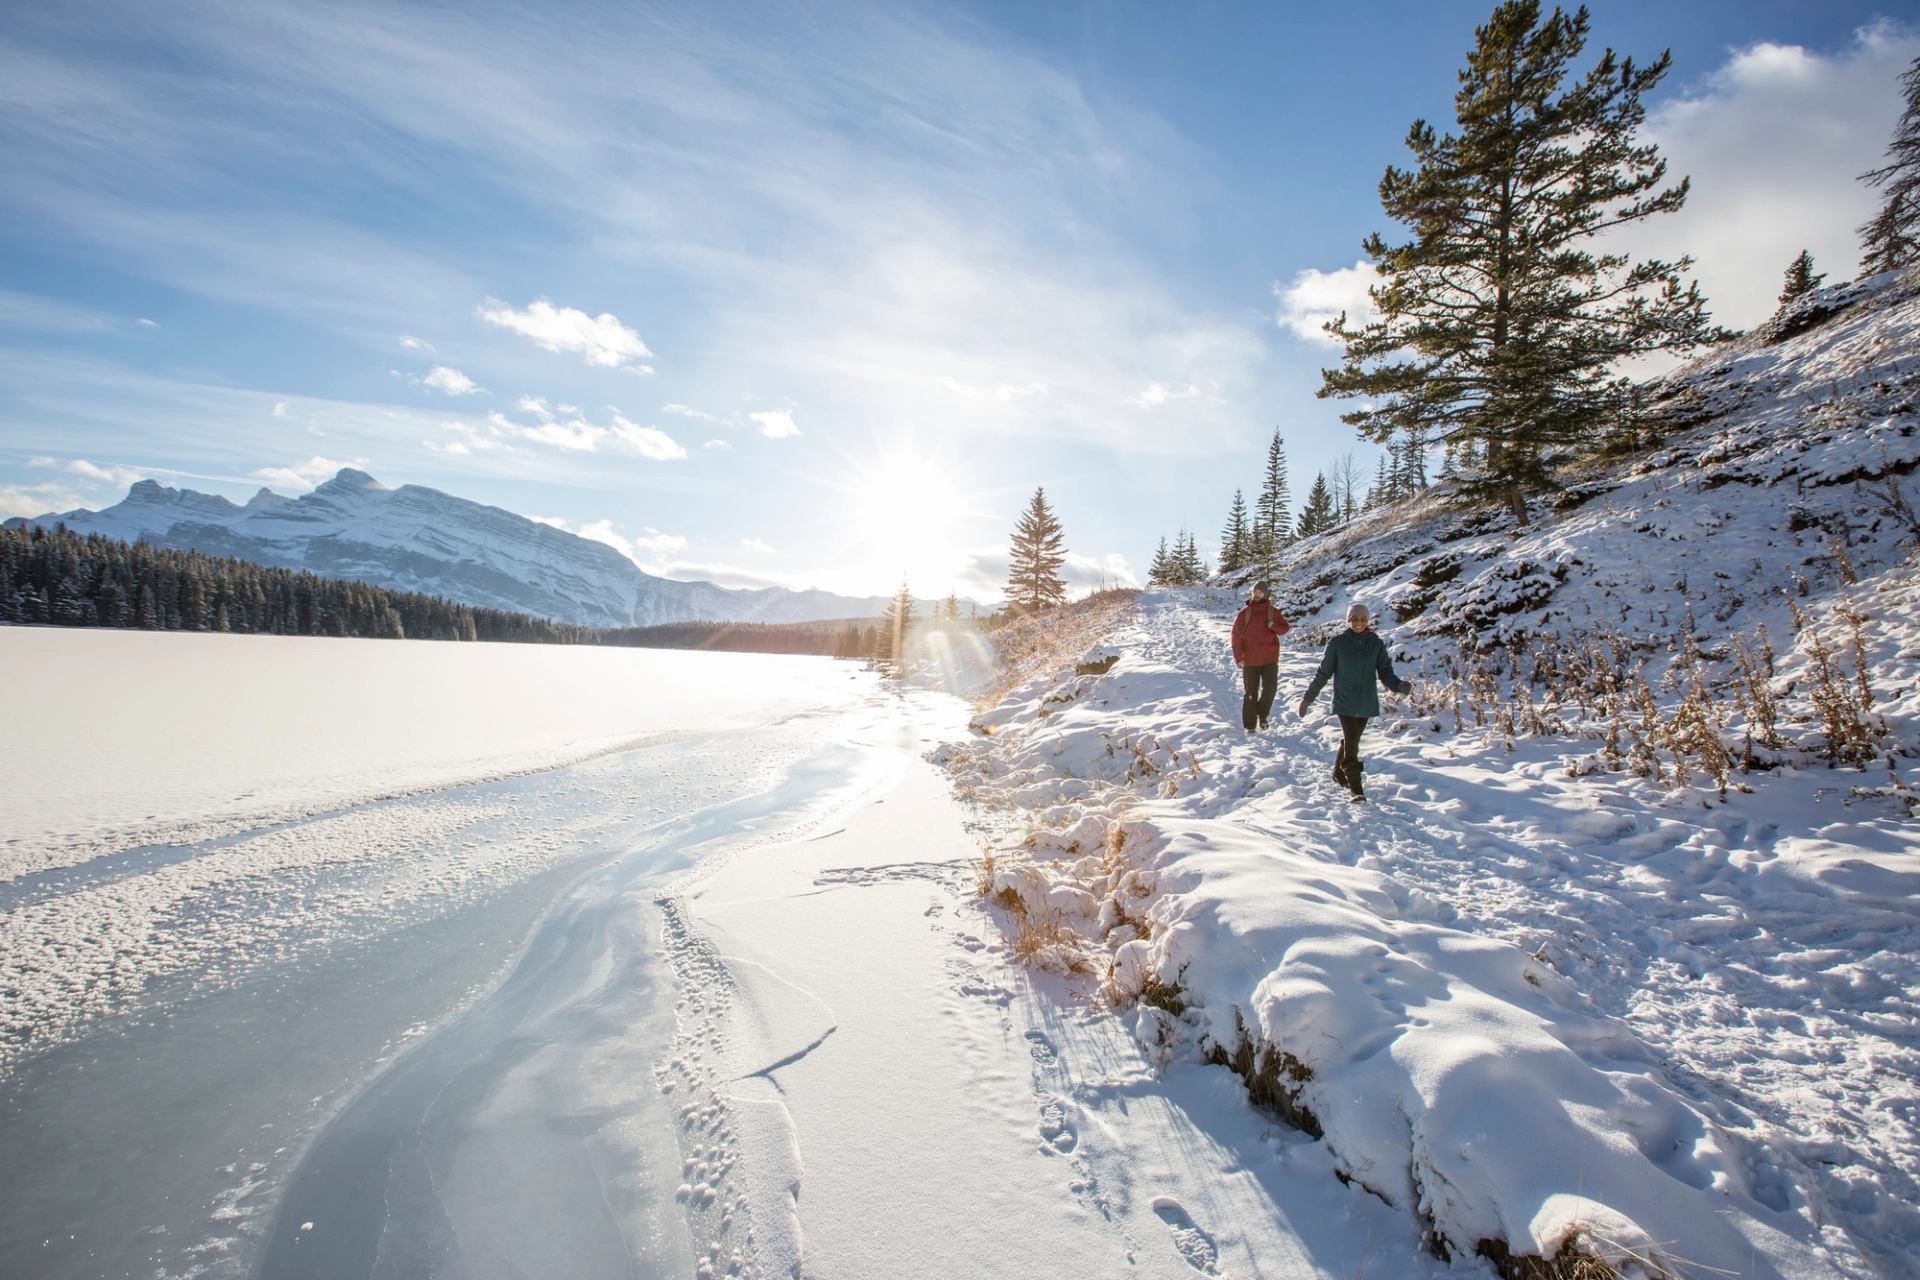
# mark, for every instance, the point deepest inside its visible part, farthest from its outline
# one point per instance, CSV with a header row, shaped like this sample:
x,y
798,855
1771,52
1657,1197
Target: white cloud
x,y
279,408
688,411
776,424
650,549
718,444
412,343
535,405
146,323
600,340
303,475
1003,393
572,435
1774,141
1155,394
754,544
1315,297
110,474
648,442
37,499
452,381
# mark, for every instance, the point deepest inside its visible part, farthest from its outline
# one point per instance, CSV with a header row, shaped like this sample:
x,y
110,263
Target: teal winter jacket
x,y
1352,660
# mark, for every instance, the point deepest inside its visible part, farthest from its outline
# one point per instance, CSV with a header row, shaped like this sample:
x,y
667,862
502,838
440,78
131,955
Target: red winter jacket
x,y
1256,634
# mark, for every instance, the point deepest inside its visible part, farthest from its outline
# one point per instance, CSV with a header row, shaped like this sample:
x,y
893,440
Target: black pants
x,y
1350,729
1260,683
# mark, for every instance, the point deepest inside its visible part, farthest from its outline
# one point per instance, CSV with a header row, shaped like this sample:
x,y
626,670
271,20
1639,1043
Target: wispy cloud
x,y
450,380
50,315
1156,394
412,343
111,474
688,411
573,435
651,549
599,340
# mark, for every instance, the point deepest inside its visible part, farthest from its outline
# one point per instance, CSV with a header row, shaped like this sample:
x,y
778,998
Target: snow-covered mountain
x,y
419,539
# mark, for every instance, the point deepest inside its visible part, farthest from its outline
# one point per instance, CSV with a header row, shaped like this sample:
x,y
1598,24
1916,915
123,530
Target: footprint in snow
x,y
1194,1244
1057,1136
1044,1054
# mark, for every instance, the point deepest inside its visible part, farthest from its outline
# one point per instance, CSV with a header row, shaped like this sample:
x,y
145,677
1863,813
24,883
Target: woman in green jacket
x,y
1353,660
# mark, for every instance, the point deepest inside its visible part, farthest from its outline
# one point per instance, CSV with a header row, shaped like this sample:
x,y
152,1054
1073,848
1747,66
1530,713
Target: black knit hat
x,y
1263,588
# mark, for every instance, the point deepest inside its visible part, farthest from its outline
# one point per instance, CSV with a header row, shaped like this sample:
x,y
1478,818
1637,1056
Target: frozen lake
x,y
397,969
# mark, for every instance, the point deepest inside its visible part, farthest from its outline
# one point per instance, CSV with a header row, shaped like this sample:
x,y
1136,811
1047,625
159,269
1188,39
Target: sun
x,y
906,516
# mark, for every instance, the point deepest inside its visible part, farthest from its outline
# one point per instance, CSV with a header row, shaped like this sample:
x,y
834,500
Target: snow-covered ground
x,y
870,1085
1556,985
717,1002
1517,1005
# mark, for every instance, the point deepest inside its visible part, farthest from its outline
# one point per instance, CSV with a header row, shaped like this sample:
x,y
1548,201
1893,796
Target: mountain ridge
x,y
414,538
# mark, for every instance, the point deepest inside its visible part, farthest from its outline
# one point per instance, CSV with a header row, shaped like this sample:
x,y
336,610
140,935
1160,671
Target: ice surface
x,y
121,738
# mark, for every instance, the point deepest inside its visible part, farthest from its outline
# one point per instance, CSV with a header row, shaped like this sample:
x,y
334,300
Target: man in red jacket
x,y
1256,651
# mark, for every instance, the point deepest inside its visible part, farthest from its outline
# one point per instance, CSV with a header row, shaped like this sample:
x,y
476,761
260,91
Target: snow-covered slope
x,y
419,539
1612,962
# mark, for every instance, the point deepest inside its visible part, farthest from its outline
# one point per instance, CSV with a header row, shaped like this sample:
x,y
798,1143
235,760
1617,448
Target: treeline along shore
x,y
60,578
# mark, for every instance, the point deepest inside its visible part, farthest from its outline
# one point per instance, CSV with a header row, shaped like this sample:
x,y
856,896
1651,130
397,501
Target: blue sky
x,y
810,294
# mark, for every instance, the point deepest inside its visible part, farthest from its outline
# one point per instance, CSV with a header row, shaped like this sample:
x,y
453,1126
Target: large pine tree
x,y
1892,239
1500,323
1234,538
1033,575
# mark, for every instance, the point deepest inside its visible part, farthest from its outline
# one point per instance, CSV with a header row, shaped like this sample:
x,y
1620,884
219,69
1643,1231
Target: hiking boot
x,y
1263,722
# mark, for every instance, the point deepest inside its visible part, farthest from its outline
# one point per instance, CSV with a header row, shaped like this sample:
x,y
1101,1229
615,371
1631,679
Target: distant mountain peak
x,y
347,480
419,539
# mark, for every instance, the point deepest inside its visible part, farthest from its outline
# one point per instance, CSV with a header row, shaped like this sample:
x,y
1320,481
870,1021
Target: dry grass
x,y
1029,646
1730,714
1570,1263
1275,1079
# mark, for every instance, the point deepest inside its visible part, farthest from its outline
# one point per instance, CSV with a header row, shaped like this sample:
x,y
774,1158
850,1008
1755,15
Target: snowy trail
x,y
871,1086
1775,975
